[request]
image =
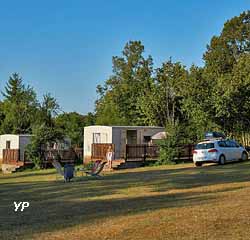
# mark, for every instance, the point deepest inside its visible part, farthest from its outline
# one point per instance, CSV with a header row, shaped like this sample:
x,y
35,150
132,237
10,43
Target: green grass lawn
x,y
166,202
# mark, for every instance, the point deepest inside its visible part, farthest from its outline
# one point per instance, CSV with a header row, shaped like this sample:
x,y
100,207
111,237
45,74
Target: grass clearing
x,y
165,202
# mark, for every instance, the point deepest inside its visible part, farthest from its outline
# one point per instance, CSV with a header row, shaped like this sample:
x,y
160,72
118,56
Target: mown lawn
x,y
167,202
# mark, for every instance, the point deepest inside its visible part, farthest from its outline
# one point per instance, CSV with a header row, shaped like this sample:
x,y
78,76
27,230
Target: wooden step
x,y
129,164
122,164
9,168
115,164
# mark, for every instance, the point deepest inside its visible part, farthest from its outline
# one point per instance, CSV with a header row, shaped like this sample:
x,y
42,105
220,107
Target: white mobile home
x,y
14,142
117,135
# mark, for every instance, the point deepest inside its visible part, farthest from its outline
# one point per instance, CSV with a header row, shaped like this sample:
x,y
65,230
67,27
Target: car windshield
x,y
204,146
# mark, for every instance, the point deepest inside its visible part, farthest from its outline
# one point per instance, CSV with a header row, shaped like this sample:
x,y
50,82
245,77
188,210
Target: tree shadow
x,y
57,214
26,174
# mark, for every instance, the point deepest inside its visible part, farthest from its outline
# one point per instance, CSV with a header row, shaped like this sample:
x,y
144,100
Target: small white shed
x,y
118,135
14,141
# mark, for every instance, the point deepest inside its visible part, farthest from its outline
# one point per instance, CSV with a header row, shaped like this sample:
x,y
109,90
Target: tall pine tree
x,y
19,106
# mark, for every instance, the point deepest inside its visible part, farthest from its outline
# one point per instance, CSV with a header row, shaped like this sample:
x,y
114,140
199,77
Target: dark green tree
x,y
73,124
18,107
162,103
44,129
2,116
132,77
48,110
224,50
43,135
225,58
196,104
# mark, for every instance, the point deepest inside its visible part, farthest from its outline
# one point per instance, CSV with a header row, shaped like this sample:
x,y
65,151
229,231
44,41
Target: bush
x,y
88,166
33,154
169,146
43,135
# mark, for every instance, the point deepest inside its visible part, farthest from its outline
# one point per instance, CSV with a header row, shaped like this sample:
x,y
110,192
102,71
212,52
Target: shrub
x,y
33,155
169,146
43,135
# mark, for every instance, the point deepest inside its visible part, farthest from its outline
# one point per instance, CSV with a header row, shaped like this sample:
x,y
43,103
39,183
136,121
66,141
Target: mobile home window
x,y
7,144
131,136
147,139
96,137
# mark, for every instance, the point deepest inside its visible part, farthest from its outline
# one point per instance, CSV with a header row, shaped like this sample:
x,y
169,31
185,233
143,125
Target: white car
x,y
218,151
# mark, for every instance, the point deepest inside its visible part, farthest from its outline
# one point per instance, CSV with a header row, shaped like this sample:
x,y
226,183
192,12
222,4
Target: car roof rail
x,y
213,139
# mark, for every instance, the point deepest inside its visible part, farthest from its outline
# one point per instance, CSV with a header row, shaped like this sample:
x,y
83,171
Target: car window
x,y
233,144
222,144
204,146
230,144
236,144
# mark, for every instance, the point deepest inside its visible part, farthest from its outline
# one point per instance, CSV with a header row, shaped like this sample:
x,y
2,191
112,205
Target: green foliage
x,y
18,110
73,124
33,153
213,97
89,166
131,79
107,112
42,136
224,50
48,109
162,103
196,104
169,146
227,65
217,96
234,101
2,116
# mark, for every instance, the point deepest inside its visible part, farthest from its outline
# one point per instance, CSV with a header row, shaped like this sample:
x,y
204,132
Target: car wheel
x,y
198,164
244,156
222,160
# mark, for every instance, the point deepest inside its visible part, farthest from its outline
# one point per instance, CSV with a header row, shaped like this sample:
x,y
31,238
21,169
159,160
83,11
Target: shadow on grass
x,y
55,205
29,173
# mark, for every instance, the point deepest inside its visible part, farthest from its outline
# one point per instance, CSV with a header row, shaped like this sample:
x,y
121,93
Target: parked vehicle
x,y
218,151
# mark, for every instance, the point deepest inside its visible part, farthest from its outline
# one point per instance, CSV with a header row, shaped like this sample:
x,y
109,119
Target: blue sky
x,y
65,47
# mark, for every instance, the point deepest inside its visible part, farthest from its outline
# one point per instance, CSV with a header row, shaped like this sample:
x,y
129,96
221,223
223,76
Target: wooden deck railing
x,y
99,150
185,152
68,155
11,155
140,152
79,152
143,152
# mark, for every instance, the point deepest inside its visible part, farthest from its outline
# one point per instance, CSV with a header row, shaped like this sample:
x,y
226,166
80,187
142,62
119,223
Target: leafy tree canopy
x,y
72,124
118,97
18,107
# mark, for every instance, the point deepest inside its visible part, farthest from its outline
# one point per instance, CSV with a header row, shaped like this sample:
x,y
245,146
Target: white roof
x,y
126,126
159,135
20,135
